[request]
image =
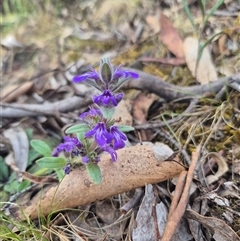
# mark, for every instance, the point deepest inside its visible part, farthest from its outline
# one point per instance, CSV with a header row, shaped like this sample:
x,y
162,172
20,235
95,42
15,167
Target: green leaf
x,y
202,3
4,197
15,186
94,172
203,45
81,136
39,171
107,112
124,128
29,132
52,162
106,70
32,156
4,171
60,174
189,15
212,10
41,147
78,128
23,185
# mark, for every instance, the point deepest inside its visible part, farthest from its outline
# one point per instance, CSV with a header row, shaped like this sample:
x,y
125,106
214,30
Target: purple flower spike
x,y
100,134
70,145
111,151
107,99
118,138
108,77
67,168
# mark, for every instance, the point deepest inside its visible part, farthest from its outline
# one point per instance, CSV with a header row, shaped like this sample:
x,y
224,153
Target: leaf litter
x,y
47,49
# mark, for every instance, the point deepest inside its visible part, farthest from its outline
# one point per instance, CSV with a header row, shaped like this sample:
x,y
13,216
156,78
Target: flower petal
x,y
107,99
90,75
67,168
111,151
85,159
118,138
69,145
100,134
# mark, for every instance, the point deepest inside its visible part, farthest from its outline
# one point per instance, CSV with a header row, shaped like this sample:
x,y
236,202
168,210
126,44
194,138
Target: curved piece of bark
x,y
136,166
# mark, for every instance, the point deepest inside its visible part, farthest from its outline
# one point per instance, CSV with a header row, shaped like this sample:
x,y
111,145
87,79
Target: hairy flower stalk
x,y
97,132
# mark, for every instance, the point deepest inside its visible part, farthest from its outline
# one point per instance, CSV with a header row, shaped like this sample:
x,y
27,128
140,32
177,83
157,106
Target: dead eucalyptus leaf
x,y
227,70
20,145
135,167
206,71
222,167
170,61
145,221
140,107
153,23
145,228
123,110
11,42
170,37
222,232
12,92
109,215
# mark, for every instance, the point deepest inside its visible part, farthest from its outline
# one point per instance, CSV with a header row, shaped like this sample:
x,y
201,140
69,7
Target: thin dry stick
x,y
133,201
178,212
178,192
48,109
146,82
169,92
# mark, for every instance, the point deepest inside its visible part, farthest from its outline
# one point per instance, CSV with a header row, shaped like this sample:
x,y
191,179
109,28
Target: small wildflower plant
x,y
97,131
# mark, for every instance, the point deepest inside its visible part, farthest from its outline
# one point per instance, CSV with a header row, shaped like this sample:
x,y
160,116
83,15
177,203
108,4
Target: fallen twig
x,y
180,198
48,109
133,201
169,92
146,82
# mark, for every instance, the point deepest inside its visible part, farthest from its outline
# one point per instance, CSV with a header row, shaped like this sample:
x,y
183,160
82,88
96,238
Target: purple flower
x,y
108,77
119,73
67,168
85,159
111,151
100,134
91,116
118,137
70,144
97,159
107,99
91,113
91,75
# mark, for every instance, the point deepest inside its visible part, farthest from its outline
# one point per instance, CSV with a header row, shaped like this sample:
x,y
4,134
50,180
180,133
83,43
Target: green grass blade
x,y
202,4
203,45
212,10
189,15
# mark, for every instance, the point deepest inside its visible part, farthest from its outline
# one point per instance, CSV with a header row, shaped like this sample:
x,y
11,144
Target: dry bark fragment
x,y
135,167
